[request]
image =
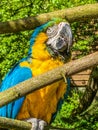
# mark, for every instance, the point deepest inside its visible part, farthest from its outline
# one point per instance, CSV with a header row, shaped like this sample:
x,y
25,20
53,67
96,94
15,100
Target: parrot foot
x,y
37,124
64,77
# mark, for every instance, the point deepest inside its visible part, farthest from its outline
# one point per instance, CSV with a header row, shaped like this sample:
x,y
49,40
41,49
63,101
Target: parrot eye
x,y
52,31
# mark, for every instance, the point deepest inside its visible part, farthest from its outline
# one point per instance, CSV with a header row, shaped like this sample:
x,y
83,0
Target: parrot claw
x,y
37,124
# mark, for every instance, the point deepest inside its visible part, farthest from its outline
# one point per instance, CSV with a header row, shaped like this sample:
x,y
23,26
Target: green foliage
x,y
13,47
65,113
64,118
12,51
85,36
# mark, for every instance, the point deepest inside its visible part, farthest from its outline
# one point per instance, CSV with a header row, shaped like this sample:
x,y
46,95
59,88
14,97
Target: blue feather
x,y
16,75
34,35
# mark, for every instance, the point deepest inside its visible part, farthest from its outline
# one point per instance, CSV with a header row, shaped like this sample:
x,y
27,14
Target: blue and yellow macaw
x,y
49,48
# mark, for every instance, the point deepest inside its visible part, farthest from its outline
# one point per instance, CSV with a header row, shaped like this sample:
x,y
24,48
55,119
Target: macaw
x,y
50,47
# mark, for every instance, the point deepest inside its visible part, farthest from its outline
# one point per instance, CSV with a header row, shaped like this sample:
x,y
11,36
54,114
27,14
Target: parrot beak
x,y
60,38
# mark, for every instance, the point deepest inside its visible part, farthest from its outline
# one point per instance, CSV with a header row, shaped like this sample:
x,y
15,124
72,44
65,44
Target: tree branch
x,y
45,79
72,14
14,124
22,125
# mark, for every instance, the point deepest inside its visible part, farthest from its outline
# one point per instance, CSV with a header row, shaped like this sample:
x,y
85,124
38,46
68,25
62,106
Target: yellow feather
x,y
42,103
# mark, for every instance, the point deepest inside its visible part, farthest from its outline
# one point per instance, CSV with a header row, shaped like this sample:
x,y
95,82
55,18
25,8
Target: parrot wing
x,y
16,75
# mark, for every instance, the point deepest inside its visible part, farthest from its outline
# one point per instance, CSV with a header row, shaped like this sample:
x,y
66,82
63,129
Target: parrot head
x,y
59,39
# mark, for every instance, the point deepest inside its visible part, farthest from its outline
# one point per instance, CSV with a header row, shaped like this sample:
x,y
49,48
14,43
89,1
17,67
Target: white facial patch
x,y
58,36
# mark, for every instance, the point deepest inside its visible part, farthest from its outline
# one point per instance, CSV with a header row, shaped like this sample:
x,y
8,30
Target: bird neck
x,y
39,50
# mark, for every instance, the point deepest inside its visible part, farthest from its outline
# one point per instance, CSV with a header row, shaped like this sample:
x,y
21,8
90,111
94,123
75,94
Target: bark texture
x,y
14,124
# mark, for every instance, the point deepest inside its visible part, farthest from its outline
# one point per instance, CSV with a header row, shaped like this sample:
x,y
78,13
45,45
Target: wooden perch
x,y
22,125
14,124
83,12
42,80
